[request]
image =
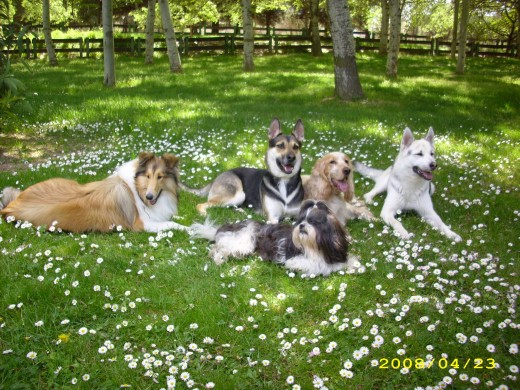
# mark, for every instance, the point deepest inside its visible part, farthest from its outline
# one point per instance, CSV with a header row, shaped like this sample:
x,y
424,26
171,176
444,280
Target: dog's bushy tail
x,y
8,195
202,192
366,171
207,230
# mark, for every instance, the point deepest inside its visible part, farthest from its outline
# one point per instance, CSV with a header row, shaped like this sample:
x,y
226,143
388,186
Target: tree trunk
x,y
249,40
169,33
463,35
383,36
53,61
455,28
395,38
150,28
108,45
518,29
346,78
315,28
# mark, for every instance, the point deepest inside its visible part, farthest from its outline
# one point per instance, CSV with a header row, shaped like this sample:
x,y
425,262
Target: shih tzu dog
x,y
315,244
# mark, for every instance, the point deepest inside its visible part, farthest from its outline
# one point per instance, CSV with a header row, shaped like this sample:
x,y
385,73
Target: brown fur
x,y
97,206
322,184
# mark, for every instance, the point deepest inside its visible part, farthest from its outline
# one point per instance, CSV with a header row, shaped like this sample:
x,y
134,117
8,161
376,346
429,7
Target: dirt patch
x,y
17,148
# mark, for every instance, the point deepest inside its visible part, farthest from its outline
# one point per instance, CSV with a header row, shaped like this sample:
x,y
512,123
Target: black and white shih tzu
x,y
316,244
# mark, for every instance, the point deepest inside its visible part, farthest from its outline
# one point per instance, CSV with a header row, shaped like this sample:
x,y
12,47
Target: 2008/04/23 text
x,y
443,363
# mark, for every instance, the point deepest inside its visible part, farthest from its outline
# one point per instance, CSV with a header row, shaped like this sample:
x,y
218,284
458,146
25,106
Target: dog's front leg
x,y
435,221
273,210
155,227
388,215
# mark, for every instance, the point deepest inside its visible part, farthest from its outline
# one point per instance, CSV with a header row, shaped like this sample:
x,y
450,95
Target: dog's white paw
x,y
368,199
454,236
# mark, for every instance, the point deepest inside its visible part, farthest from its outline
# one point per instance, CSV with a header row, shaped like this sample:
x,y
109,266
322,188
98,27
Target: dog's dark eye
x,y
420,154
333,162
159,177
296,147
281,146
347,162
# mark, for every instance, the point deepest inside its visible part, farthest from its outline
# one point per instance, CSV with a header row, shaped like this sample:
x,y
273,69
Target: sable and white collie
x,y
408,184
141,195
316,244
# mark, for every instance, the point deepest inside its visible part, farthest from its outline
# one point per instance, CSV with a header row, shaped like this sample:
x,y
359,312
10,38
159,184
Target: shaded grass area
x,y
250,324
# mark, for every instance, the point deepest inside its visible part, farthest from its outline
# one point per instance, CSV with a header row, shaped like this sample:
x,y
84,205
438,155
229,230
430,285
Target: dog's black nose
x,y
149,196
302,227
346,171
433,166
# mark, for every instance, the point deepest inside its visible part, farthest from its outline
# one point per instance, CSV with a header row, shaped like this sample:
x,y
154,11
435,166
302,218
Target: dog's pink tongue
x,y
342,185
288,168
427,175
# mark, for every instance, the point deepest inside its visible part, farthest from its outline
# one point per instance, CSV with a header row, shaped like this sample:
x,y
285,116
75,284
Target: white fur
x,y
406,190
315,265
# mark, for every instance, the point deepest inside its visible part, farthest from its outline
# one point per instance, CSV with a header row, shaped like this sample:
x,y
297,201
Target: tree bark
x,y
169,33
463,35
518,29
383,36
395,38
150,28
46,16
108,44
315,28
249,40
455,28
346,78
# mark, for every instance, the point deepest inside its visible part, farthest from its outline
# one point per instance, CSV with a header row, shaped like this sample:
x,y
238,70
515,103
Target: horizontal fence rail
x,y
231,43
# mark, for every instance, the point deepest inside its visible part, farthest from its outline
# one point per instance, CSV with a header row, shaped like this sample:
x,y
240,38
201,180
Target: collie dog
x,y
141,195
316,244
408,184
275,191
332,181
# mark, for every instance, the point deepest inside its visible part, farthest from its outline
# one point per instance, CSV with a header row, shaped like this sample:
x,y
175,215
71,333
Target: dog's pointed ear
x,y
429,136
170,160
144,157
407,138
298,130
274,128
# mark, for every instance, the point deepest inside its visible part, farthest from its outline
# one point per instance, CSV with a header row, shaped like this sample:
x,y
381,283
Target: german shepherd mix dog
x,y
275,191
141,195
315,244
408,184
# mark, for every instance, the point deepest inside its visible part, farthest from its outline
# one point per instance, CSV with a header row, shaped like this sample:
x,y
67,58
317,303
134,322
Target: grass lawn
x,y
148,311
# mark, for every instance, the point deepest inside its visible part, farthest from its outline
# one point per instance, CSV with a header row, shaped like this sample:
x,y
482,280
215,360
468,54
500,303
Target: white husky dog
x,y
408,184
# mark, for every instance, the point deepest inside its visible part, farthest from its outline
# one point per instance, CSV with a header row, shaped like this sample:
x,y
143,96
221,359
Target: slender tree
x,y
518,29
395,9
315,28
346,78
383,36
455,28
46,15
108,44
463,35
171,42
249,40
150,29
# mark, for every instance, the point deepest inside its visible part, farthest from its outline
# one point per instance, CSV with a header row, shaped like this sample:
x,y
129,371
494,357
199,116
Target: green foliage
x,y
133,309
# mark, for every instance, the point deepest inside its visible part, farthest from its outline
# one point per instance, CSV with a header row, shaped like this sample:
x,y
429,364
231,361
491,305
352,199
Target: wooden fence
x,y
231,43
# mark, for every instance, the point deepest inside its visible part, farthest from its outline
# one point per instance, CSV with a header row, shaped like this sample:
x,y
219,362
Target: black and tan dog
x,y
275,191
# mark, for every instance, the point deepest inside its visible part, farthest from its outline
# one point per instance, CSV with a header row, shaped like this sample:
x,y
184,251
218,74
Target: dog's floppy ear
x,y
170,160
429,136
332,240
298,130
274,128
407,138
349,195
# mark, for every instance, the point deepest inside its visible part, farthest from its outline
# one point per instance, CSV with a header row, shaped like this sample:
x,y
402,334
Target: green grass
x,y
249,324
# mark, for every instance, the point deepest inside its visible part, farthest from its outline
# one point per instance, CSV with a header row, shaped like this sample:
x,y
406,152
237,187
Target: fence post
x,y
432,47
186,44
34,48
276,44
80,41
87,47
